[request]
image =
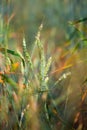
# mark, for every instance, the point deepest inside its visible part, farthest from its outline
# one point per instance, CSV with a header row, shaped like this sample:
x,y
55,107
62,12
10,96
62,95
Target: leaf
x,y
78,21
9,81
84,96
77,117
15,53
76,47
62,68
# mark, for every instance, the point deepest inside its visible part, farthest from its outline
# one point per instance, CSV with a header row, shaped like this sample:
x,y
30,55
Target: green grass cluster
x,y
40,92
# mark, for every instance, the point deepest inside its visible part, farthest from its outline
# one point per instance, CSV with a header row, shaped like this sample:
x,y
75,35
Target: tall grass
x,y
38,92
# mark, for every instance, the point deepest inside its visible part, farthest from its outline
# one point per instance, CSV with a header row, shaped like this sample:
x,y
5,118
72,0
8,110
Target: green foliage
x,y
19,87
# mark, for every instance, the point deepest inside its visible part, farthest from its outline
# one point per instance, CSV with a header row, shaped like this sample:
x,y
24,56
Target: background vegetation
x,y
43,78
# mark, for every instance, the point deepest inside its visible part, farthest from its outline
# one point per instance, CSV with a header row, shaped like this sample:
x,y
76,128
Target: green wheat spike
x,y
26,54
48,66
42,62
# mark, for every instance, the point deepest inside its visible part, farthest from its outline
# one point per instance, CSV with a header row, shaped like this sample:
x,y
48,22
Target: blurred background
x,y
25,16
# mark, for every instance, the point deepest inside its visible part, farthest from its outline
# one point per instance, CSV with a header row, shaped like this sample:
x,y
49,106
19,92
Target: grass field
x,y
43,84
